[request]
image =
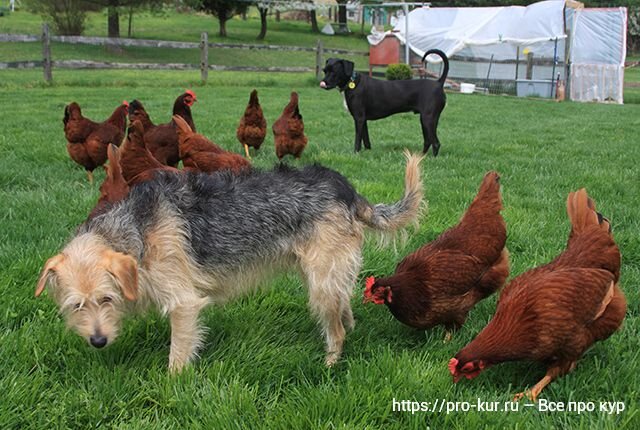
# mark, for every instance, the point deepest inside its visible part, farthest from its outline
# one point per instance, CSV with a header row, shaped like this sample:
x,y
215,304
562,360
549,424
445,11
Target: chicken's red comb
x,y
369,284
125,103
453,364
191,93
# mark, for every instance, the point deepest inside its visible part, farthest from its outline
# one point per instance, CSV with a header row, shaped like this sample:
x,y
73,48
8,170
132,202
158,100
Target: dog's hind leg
x,y
331,262
347,317
186,334
429,123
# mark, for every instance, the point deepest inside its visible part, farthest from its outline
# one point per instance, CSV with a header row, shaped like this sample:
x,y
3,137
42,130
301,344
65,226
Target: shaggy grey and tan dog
x,y
182,241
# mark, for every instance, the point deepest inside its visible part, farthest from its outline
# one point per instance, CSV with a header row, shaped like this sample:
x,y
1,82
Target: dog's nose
x,y
323,84
98,340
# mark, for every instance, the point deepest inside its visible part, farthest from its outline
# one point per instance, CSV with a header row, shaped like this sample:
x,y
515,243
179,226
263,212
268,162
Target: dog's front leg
x,y
365,135
186,334
361,124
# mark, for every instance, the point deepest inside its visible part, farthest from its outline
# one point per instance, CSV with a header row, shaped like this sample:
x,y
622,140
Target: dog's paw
x,y
331,359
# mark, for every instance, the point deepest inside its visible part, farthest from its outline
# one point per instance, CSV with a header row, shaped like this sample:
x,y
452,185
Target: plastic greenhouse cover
x,y
499,30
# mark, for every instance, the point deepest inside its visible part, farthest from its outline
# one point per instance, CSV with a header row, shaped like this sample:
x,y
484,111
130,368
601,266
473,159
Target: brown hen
x,y
288,130
253,125
114,188
162,140
443,280
554,313
138,165
199,154
88,140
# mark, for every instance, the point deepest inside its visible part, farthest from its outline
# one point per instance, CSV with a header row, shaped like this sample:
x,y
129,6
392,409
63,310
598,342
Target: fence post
x,y
204,56
319,62
46,52
529,71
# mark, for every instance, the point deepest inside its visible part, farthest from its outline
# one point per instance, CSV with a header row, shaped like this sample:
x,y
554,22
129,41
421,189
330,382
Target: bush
x,y
66,16
397,72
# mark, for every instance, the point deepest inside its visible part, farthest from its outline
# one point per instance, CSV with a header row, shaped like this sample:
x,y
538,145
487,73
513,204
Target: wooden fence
x,y
48,63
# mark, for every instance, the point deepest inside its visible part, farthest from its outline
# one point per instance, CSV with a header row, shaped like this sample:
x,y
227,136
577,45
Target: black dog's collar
x,y
353,82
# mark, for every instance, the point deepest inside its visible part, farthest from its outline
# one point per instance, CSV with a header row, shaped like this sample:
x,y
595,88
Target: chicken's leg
x,y
452,327
552,374
90,176
246,150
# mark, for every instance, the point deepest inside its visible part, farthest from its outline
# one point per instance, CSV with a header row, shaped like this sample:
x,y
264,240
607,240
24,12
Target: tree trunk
x,y
342,17
130,22
113,20
263,22
314,21
223,27
277,15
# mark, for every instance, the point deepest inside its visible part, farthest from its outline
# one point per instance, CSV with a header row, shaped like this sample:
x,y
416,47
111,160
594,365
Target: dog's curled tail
x,y
389,218
445,61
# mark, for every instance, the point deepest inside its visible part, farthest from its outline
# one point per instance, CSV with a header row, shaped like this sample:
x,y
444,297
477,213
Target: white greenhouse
x,y
525,50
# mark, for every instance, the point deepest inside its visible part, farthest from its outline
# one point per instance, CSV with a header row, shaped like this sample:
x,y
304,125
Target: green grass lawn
x,y
262,362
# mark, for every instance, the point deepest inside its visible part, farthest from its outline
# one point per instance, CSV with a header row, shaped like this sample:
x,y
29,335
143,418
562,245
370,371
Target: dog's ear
x,y
124,269
348,67
48,272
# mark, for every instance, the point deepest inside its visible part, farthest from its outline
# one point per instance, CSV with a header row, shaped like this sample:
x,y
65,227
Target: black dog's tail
x,y
445,60
388,218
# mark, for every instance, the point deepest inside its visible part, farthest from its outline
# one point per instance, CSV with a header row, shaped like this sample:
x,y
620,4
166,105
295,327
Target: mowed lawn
x,y
262,363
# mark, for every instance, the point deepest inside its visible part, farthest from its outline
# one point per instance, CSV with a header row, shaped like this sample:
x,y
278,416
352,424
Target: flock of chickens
x,y
551,314
151,146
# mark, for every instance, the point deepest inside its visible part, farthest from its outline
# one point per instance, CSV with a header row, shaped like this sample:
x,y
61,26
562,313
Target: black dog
x,y
371,99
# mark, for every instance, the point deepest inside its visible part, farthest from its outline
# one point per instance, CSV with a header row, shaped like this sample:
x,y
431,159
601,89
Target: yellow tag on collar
x,y
351,85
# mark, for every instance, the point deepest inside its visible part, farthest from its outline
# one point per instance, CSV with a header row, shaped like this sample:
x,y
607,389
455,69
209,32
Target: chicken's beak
x,y
456,378
367,299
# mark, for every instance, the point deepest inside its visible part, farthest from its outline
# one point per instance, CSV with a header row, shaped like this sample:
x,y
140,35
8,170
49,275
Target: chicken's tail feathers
x,y
135,129
183,126
582,212
490,188
67,115
114,170
292,107
253,98
389,218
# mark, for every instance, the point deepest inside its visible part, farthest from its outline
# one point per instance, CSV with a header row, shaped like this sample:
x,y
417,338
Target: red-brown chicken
x,y
288,130
253,125
554,313
114,188
138,165
162,140
199,154
443,280
88,140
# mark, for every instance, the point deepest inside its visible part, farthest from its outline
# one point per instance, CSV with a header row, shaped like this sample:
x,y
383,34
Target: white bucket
x,y
467,88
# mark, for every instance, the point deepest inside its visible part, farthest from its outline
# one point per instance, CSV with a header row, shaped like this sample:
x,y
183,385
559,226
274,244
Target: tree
x,y
314,21
263,8
224,10
115,6
67,17
342,16
313,17
113,18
